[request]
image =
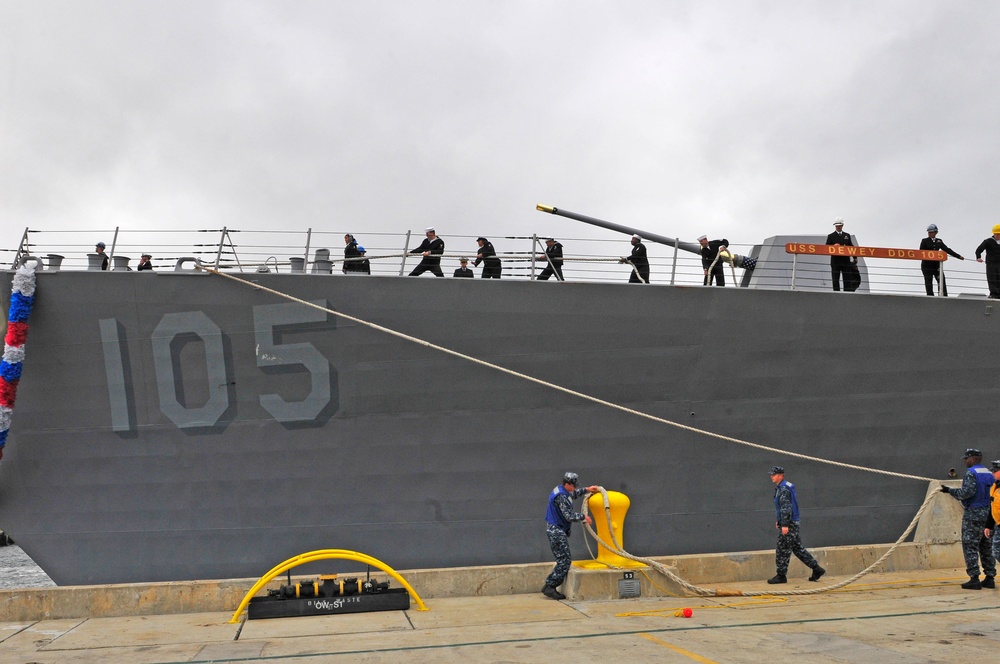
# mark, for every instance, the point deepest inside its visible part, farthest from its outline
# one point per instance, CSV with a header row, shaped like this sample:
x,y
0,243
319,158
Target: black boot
x,y
550,591
988,582
973,583
778,578
817,572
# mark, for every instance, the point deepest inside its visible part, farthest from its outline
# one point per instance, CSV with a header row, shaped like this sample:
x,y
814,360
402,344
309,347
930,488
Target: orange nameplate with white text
x,y
864,252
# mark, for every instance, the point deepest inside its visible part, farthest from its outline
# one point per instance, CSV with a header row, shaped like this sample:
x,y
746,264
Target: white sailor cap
x,y
429,229
637,237
839,221
703,237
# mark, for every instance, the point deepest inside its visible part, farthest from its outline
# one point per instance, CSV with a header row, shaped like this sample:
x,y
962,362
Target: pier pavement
x,y
890,618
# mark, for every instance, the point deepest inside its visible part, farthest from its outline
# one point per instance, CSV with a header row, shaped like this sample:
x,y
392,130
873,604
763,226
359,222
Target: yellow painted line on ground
x,y
678,649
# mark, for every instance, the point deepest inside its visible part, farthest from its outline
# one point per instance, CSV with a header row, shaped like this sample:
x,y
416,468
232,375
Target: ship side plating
x,y
181,426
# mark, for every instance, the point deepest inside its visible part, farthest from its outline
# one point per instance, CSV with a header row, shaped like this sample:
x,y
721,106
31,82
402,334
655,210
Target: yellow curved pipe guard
x,y
324,554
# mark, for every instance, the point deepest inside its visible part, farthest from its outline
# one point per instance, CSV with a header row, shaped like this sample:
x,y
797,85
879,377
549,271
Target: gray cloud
x,y
738,119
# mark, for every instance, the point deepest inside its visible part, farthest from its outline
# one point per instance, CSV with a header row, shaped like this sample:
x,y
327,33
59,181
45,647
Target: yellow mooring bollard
x,y
619,504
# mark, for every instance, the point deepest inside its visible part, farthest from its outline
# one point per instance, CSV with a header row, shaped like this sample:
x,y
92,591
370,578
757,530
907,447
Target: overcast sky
x,y
738,119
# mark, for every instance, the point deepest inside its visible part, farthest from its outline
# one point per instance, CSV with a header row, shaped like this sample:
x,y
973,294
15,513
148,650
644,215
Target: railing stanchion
x,y
406,249
673,267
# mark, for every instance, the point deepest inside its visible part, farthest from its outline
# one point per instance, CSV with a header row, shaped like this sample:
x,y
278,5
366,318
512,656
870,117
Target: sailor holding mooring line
x,y
975,496
932,269
710,263
558,518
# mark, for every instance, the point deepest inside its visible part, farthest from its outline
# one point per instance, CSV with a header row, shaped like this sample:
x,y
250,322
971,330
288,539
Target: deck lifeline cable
x,y
614,546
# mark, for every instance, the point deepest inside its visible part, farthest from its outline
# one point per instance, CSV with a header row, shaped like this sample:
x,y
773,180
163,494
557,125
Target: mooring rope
x,y
692,588
615,547
559,388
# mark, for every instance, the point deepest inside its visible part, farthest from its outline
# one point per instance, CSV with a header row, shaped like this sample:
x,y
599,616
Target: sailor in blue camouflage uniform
x,y
975,496
786,512
558,518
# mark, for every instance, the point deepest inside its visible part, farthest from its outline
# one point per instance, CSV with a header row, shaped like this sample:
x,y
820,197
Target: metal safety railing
x,y
522,258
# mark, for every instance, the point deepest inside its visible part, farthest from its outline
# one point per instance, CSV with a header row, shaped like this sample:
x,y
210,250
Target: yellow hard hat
x,y
996,229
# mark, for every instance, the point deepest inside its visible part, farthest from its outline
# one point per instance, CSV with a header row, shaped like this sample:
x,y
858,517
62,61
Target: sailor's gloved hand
x,y
944,489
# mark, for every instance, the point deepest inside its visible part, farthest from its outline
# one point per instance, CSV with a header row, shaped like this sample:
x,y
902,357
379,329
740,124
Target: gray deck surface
x,y
915,616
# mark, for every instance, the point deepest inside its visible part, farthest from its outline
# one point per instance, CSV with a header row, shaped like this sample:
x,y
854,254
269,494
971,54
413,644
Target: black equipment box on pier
x,y
393,599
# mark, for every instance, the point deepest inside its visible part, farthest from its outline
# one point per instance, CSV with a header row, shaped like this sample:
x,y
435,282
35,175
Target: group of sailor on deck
x,y
843,268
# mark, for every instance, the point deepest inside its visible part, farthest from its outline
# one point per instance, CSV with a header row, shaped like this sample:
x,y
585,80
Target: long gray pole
x,y
692,247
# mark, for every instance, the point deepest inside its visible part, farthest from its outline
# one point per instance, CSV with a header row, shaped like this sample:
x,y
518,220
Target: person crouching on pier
x,y
558,518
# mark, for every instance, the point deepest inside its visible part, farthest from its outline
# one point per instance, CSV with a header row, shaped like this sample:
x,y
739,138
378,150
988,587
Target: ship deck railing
x,y
586,259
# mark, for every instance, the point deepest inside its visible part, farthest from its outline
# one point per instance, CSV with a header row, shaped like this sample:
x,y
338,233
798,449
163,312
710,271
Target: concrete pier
x,y
897,617
910,609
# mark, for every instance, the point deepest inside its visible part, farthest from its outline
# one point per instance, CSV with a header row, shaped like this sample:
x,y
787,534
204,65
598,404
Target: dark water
x,y
17,570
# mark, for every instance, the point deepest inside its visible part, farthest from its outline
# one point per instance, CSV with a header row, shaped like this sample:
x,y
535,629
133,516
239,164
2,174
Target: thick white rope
x,y
615,547
558,388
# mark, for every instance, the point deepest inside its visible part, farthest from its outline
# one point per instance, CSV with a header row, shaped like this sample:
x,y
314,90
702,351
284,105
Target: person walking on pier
x,y
932,269
975,496
639,261
558,518
431,248
554,258
993,518
991,246
786,511
488,256
710,255
840,265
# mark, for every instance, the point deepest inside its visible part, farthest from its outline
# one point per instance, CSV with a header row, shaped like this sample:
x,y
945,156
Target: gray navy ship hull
x,y
179,426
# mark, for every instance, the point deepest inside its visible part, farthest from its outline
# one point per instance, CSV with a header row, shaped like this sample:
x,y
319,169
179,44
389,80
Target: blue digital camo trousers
x,y
975,545
789,544
559,542
996,543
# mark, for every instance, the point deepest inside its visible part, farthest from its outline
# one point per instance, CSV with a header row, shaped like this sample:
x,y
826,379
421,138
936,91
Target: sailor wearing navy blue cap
x,y
975,496
786,512
487,255
932,269
558,518
639,262
99,248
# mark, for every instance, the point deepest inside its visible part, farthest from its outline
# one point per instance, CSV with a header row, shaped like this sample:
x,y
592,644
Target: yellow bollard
x,y
619,504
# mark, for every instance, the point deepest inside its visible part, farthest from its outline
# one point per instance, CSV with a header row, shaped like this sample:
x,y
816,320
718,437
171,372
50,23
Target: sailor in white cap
x,y
932,269
640,264
840,265
709,254
431,249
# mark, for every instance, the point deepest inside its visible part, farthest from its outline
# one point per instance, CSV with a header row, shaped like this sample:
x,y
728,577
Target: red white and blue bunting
x,y
22,298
